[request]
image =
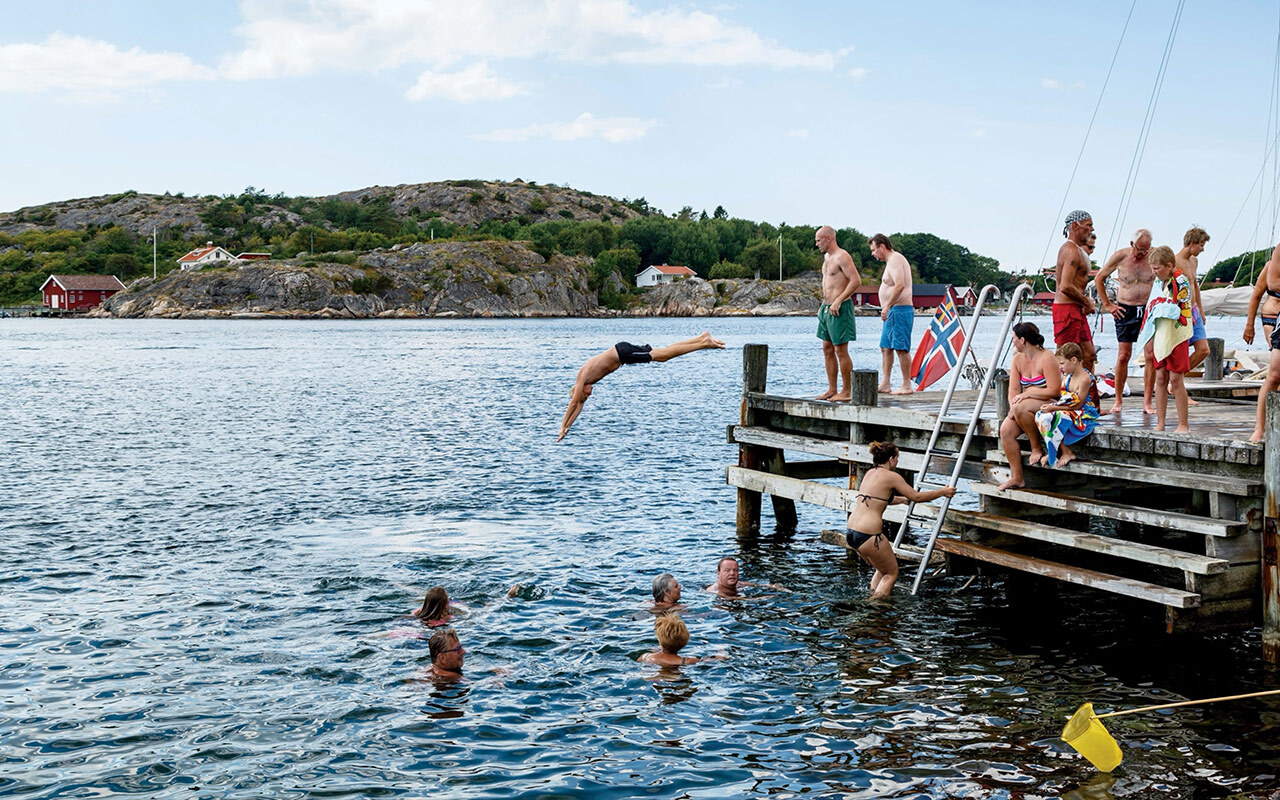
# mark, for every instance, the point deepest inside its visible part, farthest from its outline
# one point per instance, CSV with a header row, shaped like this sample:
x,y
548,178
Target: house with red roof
x,y
76,292
662,273
1042,298
204,256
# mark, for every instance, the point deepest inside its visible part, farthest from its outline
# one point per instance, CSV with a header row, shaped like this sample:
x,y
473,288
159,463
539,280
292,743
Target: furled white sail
x,y
1232,301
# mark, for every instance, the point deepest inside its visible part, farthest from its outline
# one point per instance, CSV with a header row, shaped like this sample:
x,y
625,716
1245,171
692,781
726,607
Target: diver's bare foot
x,y
709,342
1010,484
827,395
1115,409
843,397
882,388
903,390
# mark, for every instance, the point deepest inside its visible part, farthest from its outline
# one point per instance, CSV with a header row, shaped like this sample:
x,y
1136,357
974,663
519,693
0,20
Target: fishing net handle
x,y
1186,703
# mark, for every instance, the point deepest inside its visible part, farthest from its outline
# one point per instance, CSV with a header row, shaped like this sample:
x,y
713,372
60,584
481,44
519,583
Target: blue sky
x,y
963,120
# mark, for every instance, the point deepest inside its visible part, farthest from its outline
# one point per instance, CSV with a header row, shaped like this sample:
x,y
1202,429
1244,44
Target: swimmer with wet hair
x,y
446,655
672,635
435,610
727,581
666,592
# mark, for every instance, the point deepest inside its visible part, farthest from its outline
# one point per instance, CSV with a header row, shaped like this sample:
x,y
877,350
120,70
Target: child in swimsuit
x,y
881,487
1073,416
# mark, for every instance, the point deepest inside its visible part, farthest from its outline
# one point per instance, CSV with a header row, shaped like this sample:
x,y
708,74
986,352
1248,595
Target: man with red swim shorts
x,y
1071,306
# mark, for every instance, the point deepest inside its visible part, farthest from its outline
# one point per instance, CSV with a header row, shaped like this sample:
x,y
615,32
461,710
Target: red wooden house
x,y
72,292
923,295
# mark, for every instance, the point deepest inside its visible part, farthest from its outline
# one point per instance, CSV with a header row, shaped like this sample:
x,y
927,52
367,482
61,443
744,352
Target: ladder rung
x,y
928,486
938,451
956,419
921,518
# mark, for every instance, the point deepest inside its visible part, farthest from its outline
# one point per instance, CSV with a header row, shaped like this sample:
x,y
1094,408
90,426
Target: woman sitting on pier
x,y
882,486
1034,379
1073,416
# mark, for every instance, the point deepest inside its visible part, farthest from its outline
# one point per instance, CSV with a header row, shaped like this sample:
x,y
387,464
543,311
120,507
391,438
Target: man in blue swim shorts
x,y
1193,242
836,327
896,310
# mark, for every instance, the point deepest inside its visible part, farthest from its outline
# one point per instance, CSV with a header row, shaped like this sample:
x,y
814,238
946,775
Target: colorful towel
x,y
1066,427
1168,322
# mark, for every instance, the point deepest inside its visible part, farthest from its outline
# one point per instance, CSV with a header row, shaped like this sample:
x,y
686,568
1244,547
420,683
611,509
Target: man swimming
x,y
666,592
1134,276
601,364
727,582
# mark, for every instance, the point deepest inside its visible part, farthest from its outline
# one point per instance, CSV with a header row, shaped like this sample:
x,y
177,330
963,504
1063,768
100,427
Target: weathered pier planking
x,y
1185,523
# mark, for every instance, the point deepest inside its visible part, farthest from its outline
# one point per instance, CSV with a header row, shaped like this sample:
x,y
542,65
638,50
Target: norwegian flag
x,y
940,348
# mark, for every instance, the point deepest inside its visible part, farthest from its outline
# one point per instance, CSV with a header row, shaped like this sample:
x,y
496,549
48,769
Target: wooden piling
x,y
1213,361
1270,535
1000,385
863,386
755,375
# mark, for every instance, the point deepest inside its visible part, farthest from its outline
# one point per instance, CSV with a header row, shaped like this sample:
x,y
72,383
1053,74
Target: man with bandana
x,y
1071,306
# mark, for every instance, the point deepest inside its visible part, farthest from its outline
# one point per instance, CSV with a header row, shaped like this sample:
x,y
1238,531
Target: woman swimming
x,y
436,610
672,635
881,487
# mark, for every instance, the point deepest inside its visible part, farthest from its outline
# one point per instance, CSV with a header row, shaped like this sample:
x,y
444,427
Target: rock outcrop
x,y
440,279
467,279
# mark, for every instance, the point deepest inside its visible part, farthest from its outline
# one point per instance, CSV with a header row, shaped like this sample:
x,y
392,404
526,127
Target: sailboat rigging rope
x,y
1131,181
1070,181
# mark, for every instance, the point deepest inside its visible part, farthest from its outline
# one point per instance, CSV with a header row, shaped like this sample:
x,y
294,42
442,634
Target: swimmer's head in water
x,y
435,605
1076,217
671,632
666,588
727,571
446,651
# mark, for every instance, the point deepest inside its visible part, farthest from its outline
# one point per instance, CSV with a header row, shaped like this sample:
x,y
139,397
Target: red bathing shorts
x,y
1178,361
1070,324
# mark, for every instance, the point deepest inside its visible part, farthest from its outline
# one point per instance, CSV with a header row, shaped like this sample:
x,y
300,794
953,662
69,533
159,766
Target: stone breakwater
x,y
441,279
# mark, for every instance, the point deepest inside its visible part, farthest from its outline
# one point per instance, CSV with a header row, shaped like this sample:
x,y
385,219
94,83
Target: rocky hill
x,y
438,279
463,202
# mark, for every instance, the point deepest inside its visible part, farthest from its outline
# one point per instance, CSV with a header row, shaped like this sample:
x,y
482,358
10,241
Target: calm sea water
x,y
208,529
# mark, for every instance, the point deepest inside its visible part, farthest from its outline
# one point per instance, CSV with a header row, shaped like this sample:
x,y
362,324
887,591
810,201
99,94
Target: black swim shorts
x,y
1130,325
633,354
1275,338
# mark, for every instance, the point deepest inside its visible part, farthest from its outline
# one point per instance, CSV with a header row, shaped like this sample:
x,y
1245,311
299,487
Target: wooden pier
x,y
1185,523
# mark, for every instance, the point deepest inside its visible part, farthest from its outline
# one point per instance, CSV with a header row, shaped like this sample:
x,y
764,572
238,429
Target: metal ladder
x,y
971,423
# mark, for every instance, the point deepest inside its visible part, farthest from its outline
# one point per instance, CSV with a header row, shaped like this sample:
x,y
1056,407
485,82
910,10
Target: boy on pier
x,y
602,364
1168,328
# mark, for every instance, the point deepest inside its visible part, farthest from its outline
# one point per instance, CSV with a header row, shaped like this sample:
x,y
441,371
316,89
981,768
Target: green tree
x,y
696,247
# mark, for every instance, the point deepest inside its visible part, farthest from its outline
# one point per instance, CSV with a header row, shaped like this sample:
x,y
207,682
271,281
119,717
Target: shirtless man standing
x,y
897,311
1186,259
1268,284
1071,306
1268,281
1133,273
602,364
840,280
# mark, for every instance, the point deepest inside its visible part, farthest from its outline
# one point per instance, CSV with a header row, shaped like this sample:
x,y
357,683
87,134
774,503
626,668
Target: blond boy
x,y
1168,328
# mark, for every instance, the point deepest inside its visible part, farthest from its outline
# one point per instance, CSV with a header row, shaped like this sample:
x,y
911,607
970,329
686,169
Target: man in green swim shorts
x,y
836,329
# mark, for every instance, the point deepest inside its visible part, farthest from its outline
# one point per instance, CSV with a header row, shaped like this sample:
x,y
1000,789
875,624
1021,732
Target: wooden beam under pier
x,y
1270,534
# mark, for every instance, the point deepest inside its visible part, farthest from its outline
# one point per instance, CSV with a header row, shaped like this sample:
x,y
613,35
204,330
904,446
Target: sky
x,y
961,120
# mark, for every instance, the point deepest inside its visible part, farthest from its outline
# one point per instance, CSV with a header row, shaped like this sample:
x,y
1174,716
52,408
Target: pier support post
x,y
755,373
1270,535
862,387
1000,385
1213,361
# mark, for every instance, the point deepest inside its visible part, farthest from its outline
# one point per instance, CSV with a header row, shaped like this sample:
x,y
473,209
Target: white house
x,y
203,256
662,273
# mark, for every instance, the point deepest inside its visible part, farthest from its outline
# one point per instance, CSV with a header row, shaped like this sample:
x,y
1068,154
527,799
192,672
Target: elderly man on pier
x,y
836,327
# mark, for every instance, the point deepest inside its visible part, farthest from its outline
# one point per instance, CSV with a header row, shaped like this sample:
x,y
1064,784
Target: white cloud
x,y
283,37
858,73
798,133
612,129
89,68
467,86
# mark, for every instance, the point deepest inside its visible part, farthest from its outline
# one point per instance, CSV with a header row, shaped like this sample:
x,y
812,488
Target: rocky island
x,y
440,279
